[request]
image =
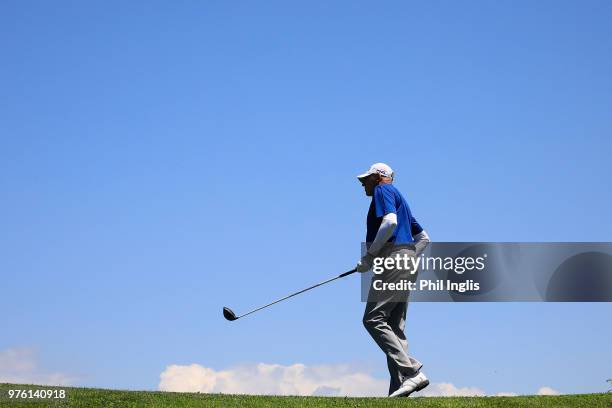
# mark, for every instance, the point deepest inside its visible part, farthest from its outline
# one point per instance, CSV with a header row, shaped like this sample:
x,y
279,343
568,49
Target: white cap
x,y
378,168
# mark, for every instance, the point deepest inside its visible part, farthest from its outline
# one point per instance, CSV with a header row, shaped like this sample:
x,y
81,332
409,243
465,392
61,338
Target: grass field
x,y
92,397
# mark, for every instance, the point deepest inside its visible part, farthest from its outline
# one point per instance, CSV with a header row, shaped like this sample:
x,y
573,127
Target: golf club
x,y
231,316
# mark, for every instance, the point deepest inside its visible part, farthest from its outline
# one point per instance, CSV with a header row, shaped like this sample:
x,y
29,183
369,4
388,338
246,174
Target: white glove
x,y
366,263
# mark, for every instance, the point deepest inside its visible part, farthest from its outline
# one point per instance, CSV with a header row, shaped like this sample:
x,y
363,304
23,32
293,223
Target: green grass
x,y
92,397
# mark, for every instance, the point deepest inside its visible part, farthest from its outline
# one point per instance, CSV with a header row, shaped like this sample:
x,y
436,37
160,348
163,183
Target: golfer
x,y
391,231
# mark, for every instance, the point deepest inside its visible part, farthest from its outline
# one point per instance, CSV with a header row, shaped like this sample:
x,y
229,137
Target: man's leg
x,y
397,322
395,376
384,323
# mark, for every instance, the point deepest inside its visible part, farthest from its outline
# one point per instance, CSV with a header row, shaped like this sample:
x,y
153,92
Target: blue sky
x,y
163,159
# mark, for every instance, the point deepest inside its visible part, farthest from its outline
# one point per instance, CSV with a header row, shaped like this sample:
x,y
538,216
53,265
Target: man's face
x,y
369,183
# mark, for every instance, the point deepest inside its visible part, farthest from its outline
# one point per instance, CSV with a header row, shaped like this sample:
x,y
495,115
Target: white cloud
x,y
450,390
548,391
506,394
273,379
21,366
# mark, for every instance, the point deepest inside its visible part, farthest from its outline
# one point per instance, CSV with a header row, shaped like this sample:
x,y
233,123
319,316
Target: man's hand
x,y
366,263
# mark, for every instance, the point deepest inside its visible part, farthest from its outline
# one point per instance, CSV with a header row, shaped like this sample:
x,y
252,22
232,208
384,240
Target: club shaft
x,y
301,291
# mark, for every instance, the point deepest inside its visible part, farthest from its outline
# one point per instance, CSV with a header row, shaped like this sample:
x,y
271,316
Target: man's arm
x,y
384,202
421,240
385,207
385,231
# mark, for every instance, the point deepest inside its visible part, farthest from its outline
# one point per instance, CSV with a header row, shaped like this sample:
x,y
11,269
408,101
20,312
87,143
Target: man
x,y
391,231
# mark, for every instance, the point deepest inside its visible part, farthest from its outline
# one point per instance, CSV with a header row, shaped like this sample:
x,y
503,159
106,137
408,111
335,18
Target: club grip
x,y
348,273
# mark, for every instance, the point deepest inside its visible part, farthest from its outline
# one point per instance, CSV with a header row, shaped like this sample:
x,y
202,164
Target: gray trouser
x,y
385,319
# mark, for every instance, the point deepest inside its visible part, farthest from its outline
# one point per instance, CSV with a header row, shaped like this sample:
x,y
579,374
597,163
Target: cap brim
x,y
364,175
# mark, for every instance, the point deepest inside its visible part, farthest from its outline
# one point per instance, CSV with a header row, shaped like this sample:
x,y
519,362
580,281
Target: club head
x,y
228,314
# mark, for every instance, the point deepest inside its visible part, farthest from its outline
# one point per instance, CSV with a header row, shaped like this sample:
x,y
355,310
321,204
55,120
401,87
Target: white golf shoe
x,y
410,385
